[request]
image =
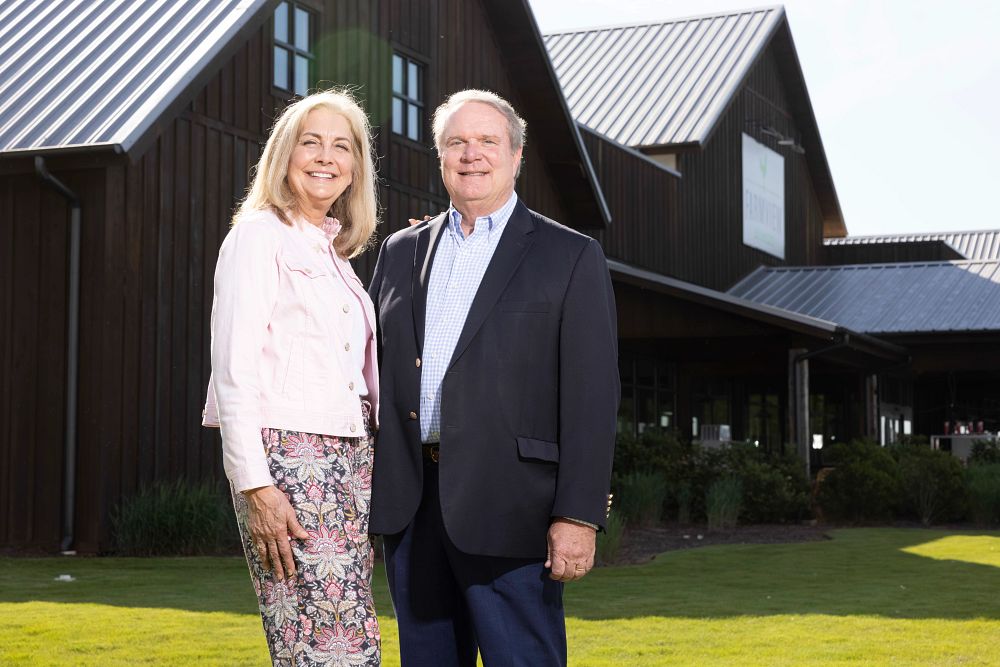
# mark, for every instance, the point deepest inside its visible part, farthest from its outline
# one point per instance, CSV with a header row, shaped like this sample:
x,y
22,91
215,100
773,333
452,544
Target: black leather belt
x,y
432,452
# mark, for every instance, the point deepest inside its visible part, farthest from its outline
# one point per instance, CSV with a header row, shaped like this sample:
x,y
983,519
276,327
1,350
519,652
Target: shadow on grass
x,y
859,572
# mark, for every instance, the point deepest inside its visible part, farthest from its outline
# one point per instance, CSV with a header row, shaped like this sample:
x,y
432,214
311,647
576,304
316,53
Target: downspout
x,y
72,355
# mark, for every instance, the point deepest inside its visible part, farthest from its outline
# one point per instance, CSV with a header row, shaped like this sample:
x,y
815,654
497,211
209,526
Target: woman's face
x,y
322,163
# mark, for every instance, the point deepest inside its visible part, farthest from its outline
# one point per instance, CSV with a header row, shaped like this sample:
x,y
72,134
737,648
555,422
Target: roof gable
x,y
665,86
663,83
99,74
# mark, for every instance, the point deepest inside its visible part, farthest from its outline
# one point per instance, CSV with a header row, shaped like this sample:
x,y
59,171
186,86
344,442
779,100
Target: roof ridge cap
x,y
656,23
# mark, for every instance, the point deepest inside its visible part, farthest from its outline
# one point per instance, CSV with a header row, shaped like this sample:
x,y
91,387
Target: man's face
x,y
477,164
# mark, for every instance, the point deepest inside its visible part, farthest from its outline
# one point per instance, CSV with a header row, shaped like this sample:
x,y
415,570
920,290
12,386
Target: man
x,y
499,394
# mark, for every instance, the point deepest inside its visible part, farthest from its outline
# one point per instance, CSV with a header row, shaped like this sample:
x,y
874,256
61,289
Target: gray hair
x,y
516,126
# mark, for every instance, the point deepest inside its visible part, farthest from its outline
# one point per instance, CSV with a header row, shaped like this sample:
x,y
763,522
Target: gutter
x,y
72,356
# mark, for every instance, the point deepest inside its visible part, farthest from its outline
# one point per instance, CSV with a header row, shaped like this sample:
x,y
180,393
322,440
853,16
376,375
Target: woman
x,y
294,382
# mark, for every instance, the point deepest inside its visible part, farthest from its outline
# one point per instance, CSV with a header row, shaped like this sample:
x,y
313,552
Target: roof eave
x,y
53,151
768,314
552,127
828,332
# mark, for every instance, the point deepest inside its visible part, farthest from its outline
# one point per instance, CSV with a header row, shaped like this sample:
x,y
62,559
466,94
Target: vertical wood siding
x,y
710,238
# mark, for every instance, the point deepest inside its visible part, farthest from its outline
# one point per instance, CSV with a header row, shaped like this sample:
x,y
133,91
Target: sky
x,y
906,94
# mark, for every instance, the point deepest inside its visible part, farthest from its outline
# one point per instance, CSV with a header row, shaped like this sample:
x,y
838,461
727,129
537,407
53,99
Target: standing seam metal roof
x,y
664,83
885,298
984,244
99,72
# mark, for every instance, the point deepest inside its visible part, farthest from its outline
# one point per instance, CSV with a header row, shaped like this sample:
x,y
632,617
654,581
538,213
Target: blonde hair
x,y
356,208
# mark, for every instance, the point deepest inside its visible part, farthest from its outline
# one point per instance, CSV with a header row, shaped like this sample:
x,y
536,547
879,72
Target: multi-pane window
x,y
293,48
648,394
407,97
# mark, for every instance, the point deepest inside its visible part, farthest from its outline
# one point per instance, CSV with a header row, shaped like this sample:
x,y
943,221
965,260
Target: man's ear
x,y
518,161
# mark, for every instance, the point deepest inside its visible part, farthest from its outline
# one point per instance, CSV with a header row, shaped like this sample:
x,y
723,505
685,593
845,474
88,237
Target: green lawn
x,y
868,596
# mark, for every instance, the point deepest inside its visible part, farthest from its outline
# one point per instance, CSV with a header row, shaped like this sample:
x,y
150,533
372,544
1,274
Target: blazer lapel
x,y
516,239
423,257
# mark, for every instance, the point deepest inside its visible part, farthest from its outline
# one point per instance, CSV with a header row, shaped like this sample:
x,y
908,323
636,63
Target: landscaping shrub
x,y
175,518
932,488
723,502
984,452
683,499
641,497
609,541
655,449
775,487
983,486
863,485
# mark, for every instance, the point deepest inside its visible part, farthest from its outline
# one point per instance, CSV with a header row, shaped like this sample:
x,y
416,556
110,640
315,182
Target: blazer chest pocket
x,y
530,449
525,306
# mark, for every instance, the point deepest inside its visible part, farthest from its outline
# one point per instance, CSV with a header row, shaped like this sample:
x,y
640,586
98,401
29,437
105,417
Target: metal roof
x,y
885,298
660,83
86,73
785,319
983,244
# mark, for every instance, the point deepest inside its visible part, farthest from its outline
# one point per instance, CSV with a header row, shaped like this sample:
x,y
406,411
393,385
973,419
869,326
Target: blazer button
x,y
353,428
418,362
413,415
347,308
347,347
350,385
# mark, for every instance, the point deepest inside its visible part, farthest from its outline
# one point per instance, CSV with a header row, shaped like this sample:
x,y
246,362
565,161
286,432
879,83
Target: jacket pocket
x,y
537,450
299,266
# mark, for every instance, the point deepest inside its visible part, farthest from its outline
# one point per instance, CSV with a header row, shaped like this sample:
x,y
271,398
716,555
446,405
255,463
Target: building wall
x,y
709,247
643,199
34,220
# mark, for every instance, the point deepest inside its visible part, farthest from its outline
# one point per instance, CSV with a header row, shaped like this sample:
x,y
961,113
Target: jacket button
x,y
418,362
347,308
413,415
347,347
350,385
353,428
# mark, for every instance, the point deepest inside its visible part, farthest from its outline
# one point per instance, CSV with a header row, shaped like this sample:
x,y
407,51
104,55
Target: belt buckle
x,y
433,452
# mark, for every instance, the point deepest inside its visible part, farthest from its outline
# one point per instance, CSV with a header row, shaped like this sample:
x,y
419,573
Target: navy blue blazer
x,y
529,401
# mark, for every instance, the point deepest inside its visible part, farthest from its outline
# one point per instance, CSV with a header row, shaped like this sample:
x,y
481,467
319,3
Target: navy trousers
x,y
450,604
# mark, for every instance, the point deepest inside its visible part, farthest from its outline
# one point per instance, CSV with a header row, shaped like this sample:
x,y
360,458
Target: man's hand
x,y
414,221
571,550
271,519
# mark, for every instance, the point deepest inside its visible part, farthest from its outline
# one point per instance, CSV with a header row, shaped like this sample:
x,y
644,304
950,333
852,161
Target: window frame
x,y
292,49
408,58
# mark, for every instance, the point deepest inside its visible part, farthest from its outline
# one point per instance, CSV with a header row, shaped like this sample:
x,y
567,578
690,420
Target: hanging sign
x,y
763,198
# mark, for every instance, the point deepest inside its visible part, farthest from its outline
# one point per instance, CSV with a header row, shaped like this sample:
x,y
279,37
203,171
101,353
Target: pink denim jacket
x,y
278,345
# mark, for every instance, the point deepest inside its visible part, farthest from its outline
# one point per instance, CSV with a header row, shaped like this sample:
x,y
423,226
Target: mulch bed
x,y
641,545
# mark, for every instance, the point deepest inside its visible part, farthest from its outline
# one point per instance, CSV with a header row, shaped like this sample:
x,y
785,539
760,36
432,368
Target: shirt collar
x,y
494,221
328,231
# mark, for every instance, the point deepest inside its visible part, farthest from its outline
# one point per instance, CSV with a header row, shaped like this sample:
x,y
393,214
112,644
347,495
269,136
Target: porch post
x,y
871,407
798,405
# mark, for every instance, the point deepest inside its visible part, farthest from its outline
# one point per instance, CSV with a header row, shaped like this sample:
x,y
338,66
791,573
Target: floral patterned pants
x,y
325,615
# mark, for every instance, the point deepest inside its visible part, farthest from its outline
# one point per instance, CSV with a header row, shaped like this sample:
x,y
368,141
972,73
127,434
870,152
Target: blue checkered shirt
x,y
459,265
